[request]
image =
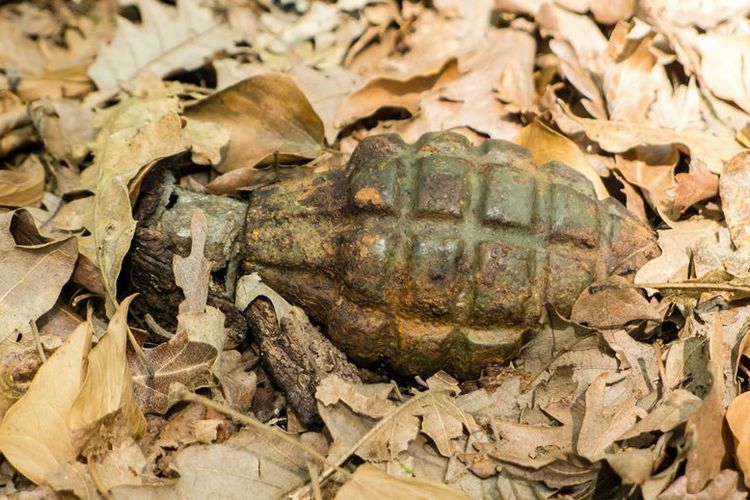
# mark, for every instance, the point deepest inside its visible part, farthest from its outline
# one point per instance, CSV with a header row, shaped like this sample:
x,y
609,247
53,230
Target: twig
x,y
96,478
38,341
156,327
186,395
694,285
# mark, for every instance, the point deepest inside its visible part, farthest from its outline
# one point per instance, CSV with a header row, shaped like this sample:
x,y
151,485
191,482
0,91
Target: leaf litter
x,y
640,392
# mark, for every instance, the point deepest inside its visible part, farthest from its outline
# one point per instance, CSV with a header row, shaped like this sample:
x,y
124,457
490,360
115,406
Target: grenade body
x,y
438,255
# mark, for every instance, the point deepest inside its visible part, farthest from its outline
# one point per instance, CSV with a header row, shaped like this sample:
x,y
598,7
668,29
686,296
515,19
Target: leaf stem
x,y
186,395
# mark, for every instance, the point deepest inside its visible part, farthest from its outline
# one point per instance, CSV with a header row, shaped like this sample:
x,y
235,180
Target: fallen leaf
x,y
370,482
547,145
34,433
733,186
168,39
723,66
672,411
705,425
676,252
725,486
602,425
22,186
247,462
392,92
108,385
697,185
618,137
119,158
193,272
33,270
177,360
268,118
612,303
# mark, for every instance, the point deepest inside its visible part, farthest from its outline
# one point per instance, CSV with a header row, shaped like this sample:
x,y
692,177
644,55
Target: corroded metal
x,y
438,254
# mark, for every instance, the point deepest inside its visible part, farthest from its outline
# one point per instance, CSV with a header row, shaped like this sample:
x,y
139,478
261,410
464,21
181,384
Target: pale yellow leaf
x,y
108,386
34,434
372,483
547,145
22,186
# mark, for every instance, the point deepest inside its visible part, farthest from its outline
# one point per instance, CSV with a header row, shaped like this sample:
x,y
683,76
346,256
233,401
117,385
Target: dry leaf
x,y
108,386
192,273
547,145
178,360
618,137
22,186
403,93
733,187
610,304
705,426
370,482
248,463
120,157
697,185
33,270
724,68
602,425
34,433
168,39
266,115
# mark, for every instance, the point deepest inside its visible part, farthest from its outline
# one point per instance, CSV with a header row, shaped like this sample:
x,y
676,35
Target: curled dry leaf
x,y
697,185
33,270
733,188
393,92
108,385
619,136
370,482
119,158
705,425
268,118
193,272
34,433
547,145
22,186
168,39
610,304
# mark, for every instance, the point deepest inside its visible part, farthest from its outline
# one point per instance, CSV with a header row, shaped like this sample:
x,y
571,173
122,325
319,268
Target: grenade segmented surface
x,y
438,255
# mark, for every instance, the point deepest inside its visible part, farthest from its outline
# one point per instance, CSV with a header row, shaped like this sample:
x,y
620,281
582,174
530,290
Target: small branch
x,y
694,285
186,395
38,341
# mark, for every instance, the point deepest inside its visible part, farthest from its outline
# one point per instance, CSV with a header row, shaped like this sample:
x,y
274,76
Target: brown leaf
x,y
370,482
611,304
705,426
135,134
697,185
266,115
618,137
178,360
248,463
602,425
24,185
392,92
192,273
33,270
733,188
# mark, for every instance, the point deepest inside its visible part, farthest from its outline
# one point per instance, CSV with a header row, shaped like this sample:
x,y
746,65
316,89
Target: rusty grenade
x,y
436,255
